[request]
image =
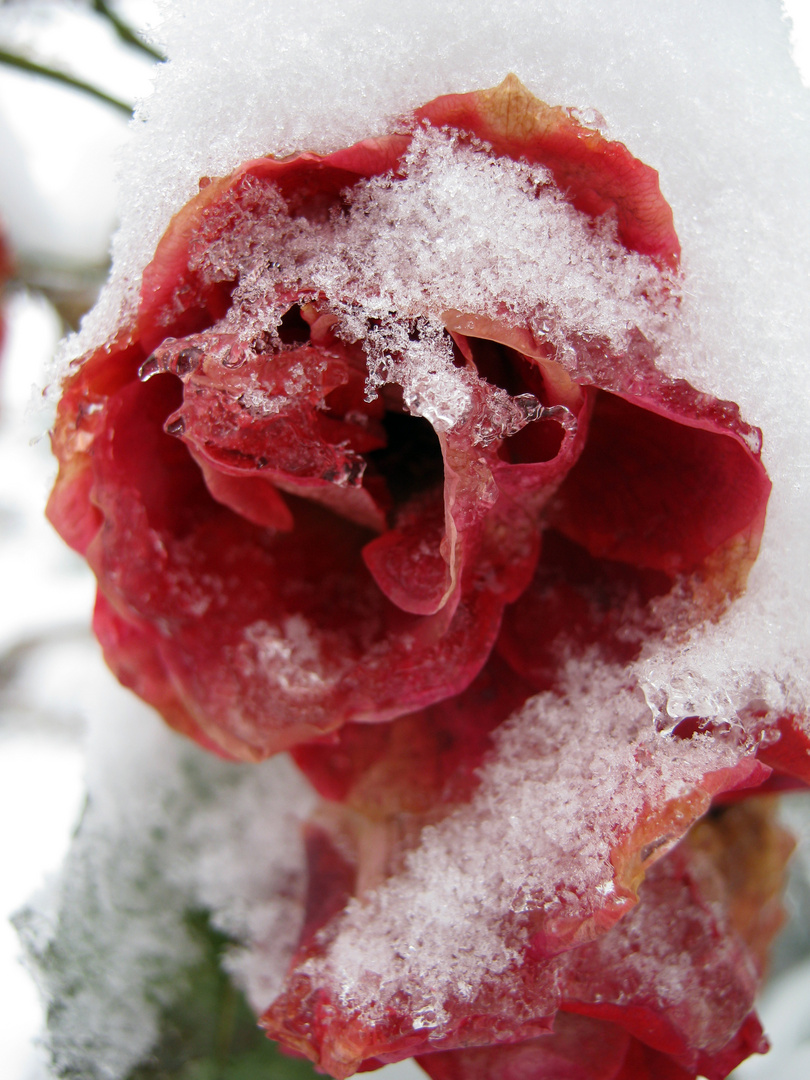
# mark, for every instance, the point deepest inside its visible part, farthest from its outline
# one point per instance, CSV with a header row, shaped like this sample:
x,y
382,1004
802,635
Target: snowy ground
x,y
50,674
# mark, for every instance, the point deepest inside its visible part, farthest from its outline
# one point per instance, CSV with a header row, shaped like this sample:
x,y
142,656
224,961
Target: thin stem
x,y
13,60
126,33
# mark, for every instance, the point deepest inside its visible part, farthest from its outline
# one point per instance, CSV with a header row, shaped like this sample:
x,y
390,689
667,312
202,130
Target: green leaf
x,y
209,1032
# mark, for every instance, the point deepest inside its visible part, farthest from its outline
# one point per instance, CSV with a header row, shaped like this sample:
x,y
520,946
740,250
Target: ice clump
x,y
462,231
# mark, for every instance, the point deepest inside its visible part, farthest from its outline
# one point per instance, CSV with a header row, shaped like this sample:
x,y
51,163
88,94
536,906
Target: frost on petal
x,y
599,177
362,393
468,900
176,298
669,988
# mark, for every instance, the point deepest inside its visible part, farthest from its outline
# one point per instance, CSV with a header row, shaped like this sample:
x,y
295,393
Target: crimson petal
x,y
671,986
659,494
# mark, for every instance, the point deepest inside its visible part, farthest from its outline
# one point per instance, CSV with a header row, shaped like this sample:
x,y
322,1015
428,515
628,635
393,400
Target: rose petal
x,y
678,974
579,1048
270,638
789,755
417,764
407,562
131,654
176,300
597,176
575,604
658,494
252,497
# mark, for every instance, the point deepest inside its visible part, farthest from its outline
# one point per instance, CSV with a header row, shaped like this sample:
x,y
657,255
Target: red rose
x,y
334,506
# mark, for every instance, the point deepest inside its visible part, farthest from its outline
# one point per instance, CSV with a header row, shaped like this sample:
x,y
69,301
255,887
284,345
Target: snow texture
x,y
569,779
167,830
706,94
463,230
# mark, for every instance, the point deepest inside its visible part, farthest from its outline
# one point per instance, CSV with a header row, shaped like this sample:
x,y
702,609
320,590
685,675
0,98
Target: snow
x,y
461,231
107,938
563,787
705,94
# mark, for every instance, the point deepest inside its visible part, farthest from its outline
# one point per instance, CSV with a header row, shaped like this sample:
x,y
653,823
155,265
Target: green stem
x,y
226,1023
13,60
126,33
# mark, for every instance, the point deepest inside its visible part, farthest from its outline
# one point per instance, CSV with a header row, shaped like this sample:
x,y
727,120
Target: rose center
x,y
411,461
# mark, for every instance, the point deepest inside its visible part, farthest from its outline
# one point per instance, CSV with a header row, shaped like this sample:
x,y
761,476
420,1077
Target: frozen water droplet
x,y
175,425
529,406
187,361
233,358
562,415
425,1018
151,366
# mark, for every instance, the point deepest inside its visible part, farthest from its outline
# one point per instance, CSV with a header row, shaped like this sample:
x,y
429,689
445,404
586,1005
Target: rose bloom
x,y
385,470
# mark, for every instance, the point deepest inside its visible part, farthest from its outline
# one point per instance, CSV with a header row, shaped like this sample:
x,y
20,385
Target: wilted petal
x,y
671,986
598,176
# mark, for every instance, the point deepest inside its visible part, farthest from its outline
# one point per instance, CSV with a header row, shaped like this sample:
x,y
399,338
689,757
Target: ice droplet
x,y
562,414
186,362
509,415
233,358
166,358
533,410
151,366
175,425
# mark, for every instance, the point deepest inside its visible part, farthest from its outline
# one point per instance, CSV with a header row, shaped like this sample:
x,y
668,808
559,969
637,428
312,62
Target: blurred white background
x,y
57,207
